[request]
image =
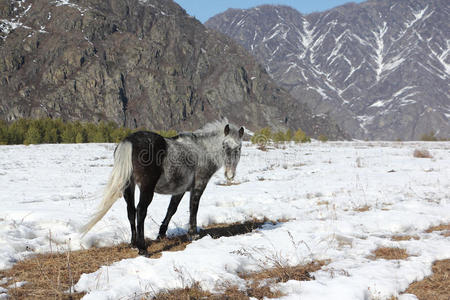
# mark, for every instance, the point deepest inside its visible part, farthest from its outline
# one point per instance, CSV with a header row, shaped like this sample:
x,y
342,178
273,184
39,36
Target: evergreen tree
x,y
301,137
33,135
68,134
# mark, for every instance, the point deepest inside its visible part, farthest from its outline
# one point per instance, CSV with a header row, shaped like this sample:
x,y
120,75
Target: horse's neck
x,y
212,149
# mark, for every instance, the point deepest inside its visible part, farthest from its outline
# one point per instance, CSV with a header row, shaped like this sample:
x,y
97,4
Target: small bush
x,y
301,137
323,138
430,137
422,153
262,137
265,136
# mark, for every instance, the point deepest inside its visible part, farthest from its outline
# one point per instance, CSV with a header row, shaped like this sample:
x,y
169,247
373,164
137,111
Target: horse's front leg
x,y
196,193
174,201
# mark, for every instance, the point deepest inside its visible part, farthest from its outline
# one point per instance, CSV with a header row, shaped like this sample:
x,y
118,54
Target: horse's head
x,y
231,147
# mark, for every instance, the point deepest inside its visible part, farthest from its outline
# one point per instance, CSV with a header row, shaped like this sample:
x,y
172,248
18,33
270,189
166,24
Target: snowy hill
x,y
381,68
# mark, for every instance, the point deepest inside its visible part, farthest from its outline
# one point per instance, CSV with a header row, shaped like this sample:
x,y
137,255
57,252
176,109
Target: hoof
x,y
161,237
193,237
143,252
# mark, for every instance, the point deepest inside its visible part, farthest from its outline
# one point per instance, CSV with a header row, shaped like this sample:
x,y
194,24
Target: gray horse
x,y
170,166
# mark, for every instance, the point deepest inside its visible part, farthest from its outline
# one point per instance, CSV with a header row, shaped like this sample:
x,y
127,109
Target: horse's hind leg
x,y
174,201
128,194
144,201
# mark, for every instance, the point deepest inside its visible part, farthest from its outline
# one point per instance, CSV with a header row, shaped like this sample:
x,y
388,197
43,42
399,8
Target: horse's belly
x,y
173,186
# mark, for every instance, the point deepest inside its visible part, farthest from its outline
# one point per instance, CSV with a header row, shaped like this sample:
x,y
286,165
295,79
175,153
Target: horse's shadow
x,y
179,242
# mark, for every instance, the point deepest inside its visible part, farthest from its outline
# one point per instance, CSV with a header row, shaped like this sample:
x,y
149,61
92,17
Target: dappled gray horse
x,y
168,166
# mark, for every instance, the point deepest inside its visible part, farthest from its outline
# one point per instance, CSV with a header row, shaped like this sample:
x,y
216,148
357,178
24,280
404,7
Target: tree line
x,y
53,131
265,135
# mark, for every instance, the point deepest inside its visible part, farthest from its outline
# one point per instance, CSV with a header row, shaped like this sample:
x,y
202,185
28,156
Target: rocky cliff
x,y
138,63
380,68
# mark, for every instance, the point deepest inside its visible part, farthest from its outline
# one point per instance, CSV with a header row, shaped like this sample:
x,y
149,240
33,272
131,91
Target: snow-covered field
x,y
342,200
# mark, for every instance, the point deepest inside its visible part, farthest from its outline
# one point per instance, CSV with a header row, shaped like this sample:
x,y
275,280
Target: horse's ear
x,y
226,131
241,132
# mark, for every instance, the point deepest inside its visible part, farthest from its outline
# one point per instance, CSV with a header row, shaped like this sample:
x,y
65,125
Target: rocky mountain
x,y
380,68
138,63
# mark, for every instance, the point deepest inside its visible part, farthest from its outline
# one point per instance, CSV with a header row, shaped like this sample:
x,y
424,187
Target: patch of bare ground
x,y
258,284
443,228
50,276
390,253
436,286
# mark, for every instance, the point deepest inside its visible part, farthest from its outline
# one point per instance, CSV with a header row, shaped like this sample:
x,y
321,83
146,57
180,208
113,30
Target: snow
x,y
401,91
320,90
379,49
291,65
379,103
308,38
417,16
68,3
50,190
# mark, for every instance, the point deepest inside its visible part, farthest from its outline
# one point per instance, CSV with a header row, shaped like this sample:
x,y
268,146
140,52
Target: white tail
x,y
118,180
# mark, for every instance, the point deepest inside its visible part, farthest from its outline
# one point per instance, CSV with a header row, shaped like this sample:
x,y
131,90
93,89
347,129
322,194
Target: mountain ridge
x,y
380,68
137,63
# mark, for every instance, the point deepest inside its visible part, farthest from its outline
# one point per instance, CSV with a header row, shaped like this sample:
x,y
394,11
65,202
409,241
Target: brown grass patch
x,y
404,237
48,276
323,202
362,208
281,273
444,228
436,286
390,253
258,284
230,292
422,153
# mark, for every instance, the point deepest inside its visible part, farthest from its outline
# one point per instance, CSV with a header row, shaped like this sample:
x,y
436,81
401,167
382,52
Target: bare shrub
x,y
422,153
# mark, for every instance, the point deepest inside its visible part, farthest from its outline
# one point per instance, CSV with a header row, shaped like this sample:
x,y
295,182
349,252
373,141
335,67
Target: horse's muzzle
x,y
229,173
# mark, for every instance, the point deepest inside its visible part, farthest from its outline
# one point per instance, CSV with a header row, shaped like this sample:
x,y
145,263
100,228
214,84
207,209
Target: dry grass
x,y
404,237
362,208
436,286
258,284
262,147
444,228
422,153
390,253
281,273
323,202
49,276
229,183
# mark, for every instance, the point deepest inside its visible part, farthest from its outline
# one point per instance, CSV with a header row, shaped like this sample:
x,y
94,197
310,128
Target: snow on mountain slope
x,y
341,201
343,61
